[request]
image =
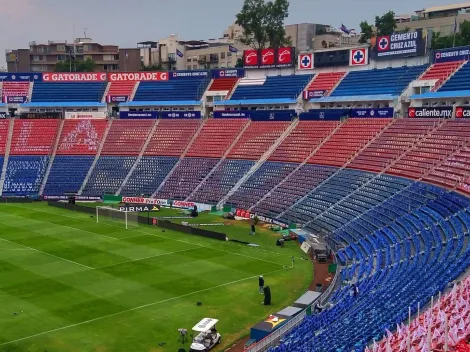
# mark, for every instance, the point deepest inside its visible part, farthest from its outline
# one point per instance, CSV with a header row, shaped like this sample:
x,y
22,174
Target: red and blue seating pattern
x,y
391,196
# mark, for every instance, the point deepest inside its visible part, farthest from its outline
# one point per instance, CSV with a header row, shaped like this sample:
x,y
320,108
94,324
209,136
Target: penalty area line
x,y
139,307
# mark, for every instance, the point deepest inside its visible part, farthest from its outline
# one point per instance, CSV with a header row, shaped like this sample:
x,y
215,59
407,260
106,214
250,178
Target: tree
x,y
153,67
239,63
386,23
366,32
75,65
263,23
461,38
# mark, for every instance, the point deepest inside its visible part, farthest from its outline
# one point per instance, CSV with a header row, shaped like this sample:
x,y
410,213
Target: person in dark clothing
x,y
261,284
355,290
253,229
318,308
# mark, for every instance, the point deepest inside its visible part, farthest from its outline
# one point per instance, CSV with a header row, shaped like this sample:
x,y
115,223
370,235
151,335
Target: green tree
x,y
366,32
75,65
263,23
385,24
154,67
239,63
461,38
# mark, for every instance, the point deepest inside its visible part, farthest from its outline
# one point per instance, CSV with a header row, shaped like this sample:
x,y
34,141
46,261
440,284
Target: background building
x,y
437,19
44,57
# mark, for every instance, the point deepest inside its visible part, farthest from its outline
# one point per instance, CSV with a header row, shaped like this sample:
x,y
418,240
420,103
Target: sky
x,y
126,22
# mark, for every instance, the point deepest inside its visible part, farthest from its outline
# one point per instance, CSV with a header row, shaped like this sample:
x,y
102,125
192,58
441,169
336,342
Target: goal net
x,y
115,216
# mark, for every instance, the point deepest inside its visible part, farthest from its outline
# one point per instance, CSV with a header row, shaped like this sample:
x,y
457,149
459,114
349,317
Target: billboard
x,y
138,208
180,114
400,45
20,77
188,74
74,77
117,98
237,72
231,114
359,57
462,112
372,112
314,94
85,115
251,58
324,114
142,200
138,114
138,76
10,99
272,115
332,58
305,62
3,115
436,112
453,54
269,58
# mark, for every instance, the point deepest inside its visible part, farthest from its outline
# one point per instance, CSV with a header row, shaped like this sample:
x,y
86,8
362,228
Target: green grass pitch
x,y
70,284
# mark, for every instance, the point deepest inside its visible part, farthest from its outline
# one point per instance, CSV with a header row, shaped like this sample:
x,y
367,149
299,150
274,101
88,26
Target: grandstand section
x,y
389,81
15,89
325,81
68,92
190,90
24,175
126,138
81,137
351,137
271,87
441,72
67,174
223,84
121,89
34,137
459,81
4,125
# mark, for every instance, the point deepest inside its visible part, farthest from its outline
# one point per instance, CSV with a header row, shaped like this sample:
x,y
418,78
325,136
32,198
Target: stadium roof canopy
x,y
161,103
447,7
256,101
440,95
353,98
61,104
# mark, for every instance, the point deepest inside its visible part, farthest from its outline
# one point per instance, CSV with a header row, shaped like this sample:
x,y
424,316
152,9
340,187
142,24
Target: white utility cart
x,y
205,335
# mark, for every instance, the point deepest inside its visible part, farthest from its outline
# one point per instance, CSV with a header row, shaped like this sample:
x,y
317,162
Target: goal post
x,y
106,214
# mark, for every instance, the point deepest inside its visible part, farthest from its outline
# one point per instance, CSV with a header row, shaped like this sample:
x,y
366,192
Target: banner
x,y
117,98
138,76
247,215
332,58
269,58
182,204
251,58
314,94
359,57
141,200
324,114
3,115
138,114
67,198
74,77
462,112
372,112
400,45
305,62
85,115
267,115
138,208
20,77
188,74
238,72
437,112
454,54
231,114
180,114
14,100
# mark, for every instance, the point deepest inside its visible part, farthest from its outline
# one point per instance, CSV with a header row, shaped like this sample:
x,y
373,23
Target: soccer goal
x,y
112,215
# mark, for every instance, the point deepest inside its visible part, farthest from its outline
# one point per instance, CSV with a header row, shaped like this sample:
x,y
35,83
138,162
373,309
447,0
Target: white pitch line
x,y
15,249
49,254
151,234
149,257
139,307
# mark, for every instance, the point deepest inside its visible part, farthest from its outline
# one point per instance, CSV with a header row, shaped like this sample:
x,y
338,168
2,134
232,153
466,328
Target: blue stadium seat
x,y
374,82
24,175
273,87
172,90
148,175
459,81
67,174
68,92
108,175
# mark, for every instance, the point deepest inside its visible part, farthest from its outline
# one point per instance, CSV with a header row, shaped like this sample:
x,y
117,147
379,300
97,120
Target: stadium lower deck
x,y
391,195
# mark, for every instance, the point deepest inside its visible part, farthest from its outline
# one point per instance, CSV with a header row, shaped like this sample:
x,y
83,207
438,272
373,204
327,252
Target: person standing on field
x,y
261,284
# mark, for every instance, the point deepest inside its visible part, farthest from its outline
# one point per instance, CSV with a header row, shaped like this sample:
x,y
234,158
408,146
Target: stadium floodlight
x,y
106,214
